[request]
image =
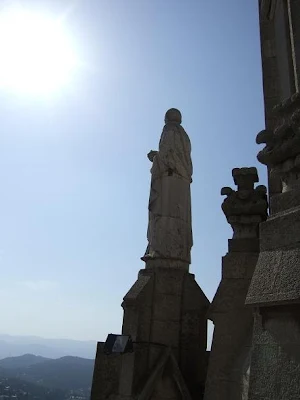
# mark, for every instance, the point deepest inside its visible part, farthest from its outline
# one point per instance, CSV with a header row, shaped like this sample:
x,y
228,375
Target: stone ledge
x,y
275,279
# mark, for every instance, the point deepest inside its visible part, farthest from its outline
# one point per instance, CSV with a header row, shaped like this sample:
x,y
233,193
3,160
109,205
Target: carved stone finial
x,y
247,207
282,151
245,178
173,115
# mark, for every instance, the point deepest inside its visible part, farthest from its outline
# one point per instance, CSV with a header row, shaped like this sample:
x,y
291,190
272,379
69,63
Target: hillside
x,y
64,375
21,362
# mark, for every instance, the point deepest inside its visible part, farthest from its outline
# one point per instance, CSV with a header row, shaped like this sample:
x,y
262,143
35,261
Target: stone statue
x,y
170,228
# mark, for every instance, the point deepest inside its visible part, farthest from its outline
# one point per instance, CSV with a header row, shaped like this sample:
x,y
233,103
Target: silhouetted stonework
x,y
275,287
245,209
106,373
165,311
274,292
169,309
280,53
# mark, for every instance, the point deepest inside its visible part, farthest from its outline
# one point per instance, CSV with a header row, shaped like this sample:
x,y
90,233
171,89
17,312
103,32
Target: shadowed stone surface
x,y
247,207
106,374
275,287
280,53
274,291
165,381
277,274
228,371
170,311
275,364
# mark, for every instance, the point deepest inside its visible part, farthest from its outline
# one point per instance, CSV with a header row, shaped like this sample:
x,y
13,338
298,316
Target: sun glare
x,y
36,55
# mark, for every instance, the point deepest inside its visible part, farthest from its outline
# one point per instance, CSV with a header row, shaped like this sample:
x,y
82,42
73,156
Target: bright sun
x,y
36,55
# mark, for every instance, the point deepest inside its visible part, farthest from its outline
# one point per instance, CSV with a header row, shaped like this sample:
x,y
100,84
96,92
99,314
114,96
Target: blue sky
x,y
73,168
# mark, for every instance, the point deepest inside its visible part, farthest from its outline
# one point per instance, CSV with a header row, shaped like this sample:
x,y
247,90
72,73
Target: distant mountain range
x,y
13,346
21,362
43,378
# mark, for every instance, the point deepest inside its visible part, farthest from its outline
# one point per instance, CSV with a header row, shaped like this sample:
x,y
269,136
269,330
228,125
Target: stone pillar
x,y
166,308
229,361
165,312
274,292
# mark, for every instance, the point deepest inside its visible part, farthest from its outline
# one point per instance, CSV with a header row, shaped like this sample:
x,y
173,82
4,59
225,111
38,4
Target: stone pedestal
x,y
274,292
228,371
165,314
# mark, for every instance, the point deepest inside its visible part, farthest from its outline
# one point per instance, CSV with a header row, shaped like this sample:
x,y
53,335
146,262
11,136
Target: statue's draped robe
x,y
170,227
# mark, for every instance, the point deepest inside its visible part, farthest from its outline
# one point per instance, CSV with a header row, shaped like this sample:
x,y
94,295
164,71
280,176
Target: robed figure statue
x,y
170,226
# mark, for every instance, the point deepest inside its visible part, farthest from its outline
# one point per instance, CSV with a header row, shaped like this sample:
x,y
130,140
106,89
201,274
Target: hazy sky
x,y
73,168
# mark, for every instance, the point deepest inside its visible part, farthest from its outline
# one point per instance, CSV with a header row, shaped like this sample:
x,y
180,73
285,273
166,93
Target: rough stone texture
x,y
276,278
282,144
277,272
228,370
106,375
275,287
165,310
275,364
165,381
170,311
284,201
169,229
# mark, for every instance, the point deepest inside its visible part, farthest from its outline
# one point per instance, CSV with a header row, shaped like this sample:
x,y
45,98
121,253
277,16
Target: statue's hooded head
x,y
173,115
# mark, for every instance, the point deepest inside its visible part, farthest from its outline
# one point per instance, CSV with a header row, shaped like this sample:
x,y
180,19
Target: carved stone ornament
x,y
246,207
282,151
